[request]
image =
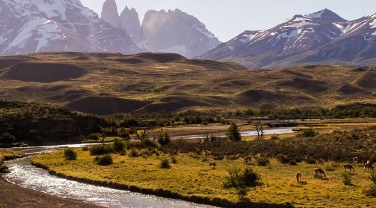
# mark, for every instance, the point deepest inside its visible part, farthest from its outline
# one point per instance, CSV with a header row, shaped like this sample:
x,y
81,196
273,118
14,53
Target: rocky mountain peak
x,y
326,15
110,13
130,21
34,26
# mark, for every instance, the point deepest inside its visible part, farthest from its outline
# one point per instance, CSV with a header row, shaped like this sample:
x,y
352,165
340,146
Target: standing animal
x,y
319,171
212,163
247,159
355,160
369,165
349,166
298,177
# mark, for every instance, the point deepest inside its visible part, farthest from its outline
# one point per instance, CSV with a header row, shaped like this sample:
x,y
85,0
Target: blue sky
x,y
228,18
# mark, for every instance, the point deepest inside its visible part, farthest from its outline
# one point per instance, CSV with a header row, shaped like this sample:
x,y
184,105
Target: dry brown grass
x,y
169,82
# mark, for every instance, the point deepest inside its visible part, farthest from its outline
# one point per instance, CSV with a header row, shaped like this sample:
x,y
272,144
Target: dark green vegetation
x,y
42,124
70,154
338,146
110,83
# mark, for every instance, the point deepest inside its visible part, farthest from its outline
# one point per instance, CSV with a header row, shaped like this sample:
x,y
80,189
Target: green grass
x,y
192,177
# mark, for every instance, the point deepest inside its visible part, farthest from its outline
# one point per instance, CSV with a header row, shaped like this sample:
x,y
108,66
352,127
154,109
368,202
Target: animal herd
x,y
368,166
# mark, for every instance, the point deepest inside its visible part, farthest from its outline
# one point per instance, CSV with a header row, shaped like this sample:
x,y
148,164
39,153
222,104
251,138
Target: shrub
x,y
165,164
118,145
218,157
308,132
346,178
371,191
274,137
173,160
7,138
133,153
103,160
101,149
149,143
310,160
241,181
233,133
164,139
94,136
4,169
262,161
70,154
373,178
85,148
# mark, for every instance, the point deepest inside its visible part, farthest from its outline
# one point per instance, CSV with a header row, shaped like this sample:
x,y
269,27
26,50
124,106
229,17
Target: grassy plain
x,y
193,177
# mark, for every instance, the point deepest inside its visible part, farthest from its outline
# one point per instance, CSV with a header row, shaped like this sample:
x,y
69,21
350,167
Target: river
x,y
28,176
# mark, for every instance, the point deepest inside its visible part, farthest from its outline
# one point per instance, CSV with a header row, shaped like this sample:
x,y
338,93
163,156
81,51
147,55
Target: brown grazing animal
x,y
369,165
212,163
319,171
350,167
298,177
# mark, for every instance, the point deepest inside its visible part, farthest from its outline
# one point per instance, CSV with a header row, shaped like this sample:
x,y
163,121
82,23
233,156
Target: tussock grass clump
x,y
165,164
70,154
262,161
134,153
4,169
347,180
118,145
101,149
174,160
103,160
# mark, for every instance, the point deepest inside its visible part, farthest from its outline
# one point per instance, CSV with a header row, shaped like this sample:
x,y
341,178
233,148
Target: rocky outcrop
x,y
131,23
110,13
176,32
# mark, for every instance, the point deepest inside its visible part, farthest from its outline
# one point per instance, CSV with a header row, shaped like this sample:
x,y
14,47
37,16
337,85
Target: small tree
x,y
7,138
233,133
260,131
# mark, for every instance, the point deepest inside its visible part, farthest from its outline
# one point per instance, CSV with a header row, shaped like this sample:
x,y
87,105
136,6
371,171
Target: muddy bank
x,y
15,196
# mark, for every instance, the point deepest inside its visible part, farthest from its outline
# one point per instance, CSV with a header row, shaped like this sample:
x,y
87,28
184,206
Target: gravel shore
x,y
15,196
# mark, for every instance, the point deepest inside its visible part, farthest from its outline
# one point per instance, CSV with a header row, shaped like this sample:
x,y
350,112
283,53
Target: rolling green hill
x,y
109,83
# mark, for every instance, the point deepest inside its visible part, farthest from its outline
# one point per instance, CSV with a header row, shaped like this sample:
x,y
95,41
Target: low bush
x,y
308,133
149,143
118,145
103,160
94,137
347,180
165,164
4,169
164,139
262,161
101,149
133,153
70,154
371,191
173,160
7,138
241,181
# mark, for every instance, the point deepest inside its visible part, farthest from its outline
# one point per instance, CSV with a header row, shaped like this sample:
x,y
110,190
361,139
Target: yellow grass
x,y
192,177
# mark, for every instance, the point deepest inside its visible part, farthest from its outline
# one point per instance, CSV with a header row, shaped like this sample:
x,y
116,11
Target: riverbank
x,y
188,180
194,180
12,195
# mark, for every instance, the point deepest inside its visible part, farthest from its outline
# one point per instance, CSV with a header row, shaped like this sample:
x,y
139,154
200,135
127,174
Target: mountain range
x,y
34,26
318,38
172,31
